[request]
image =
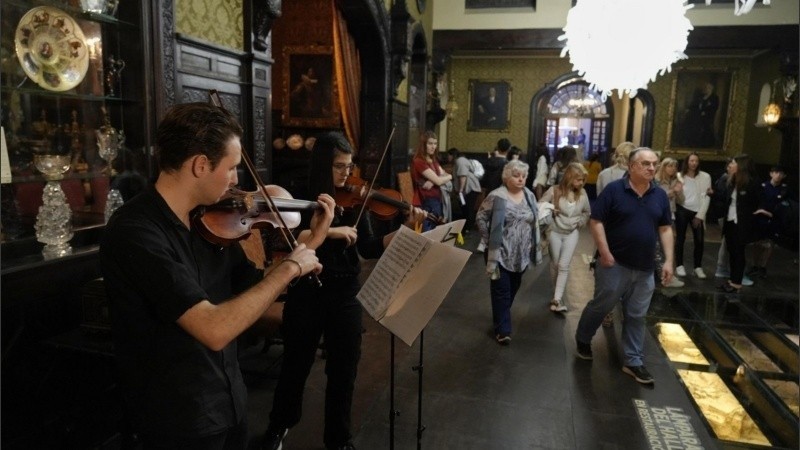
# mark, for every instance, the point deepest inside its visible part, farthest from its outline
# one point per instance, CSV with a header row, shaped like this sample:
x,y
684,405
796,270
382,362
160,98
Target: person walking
x,y
507,220
607,175
571,212
467,185
692,209
627,219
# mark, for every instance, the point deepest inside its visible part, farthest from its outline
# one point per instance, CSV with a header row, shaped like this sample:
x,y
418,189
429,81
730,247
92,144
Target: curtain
x,y
348,76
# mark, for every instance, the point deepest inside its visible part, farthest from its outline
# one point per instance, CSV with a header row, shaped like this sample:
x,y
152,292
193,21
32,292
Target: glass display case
x,y
737,358
75,113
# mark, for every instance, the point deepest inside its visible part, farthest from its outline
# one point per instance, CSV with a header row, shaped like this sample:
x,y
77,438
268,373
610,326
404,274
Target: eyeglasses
x,y
339,167
648,164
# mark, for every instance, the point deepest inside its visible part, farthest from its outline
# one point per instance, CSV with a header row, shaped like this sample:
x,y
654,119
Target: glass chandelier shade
x,y
772,114
624,44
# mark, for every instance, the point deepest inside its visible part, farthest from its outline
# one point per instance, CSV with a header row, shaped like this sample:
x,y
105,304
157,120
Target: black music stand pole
x,y
392,412
419,369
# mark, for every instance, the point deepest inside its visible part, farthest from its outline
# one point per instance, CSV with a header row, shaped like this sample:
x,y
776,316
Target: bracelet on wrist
x,y
299,266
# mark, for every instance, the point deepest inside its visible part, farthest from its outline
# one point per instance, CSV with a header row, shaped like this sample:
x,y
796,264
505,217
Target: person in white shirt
x,y
619,168
692,210
571,212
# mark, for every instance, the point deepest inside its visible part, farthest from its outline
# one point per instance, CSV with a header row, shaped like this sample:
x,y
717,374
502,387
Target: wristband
x,y
299,266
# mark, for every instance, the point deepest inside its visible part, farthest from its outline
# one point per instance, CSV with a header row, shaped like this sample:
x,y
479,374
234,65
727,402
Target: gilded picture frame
x,y
309,86
489,105
700,109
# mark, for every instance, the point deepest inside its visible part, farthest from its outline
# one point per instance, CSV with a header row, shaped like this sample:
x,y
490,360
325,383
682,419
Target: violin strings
x,y
284,230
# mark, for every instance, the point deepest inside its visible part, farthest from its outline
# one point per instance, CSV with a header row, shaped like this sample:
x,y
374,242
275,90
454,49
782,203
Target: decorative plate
x,y
51,48
295,142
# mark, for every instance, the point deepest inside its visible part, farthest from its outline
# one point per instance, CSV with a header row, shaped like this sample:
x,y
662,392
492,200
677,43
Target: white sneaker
x,y
674,283
699,273
680,271
746,281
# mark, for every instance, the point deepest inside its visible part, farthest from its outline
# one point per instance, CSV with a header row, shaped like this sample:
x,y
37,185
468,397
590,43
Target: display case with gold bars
x,y
737,361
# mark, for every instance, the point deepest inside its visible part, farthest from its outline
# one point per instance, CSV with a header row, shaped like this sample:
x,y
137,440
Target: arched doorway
x,y
567,112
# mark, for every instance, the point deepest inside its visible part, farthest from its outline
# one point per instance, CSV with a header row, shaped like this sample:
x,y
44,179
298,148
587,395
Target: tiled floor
x,y
533,394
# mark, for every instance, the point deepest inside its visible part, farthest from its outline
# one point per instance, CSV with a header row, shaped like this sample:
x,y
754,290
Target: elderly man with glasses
x,y
627,218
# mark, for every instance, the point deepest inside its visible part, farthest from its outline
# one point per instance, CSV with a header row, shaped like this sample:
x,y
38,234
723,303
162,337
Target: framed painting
x,y
489,105
700,108
310,93
481,4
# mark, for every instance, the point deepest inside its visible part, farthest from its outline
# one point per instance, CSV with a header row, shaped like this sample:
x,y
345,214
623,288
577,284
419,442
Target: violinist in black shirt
x,y
332,311
178,302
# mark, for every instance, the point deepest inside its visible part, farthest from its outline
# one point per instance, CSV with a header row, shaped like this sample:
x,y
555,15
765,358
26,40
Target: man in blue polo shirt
x,y
627,218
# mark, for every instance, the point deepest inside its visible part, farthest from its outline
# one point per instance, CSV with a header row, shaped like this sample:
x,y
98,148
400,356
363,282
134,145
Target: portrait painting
x,y
489,105
699,110
310,98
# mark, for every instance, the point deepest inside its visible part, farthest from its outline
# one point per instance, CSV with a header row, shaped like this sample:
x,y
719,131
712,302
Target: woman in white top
x,y
571,211
619,168
542,168
692,209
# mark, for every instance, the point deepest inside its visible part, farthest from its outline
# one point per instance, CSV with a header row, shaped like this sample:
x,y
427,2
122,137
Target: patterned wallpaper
x,y
528,75
211,20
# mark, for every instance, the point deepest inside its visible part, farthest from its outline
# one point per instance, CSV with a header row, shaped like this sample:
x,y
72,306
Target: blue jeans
x,y
503,290
635,289
433,206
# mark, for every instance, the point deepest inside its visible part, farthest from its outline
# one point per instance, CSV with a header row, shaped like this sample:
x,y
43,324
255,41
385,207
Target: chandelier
x,y
624,44
582,105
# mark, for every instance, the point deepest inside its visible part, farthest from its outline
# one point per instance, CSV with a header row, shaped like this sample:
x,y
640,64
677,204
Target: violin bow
x,y
375,177
251,168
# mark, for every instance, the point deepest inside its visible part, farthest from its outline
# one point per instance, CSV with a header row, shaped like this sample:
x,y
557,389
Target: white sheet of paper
x,y
5,164
410,281
393,267
461,198
446,233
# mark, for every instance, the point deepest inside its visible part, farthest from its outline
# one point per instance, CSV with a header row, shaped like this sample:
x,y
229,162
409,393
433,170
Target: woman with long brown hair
x,y
428,177
742,201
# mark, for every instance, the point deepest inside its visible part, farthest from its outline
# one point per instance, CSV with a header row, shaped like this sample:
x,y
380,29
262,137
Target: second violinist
x,y
331,311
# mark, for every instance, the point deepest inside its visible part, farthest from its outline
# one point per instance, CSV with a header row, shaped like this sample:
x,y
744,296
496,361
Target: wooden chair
x,y
406,186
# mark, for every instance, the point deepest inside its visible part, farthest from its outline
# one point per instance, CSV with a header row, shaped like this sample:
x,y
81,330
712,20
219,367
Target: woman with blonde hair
x,y
429,177
570,212
668,179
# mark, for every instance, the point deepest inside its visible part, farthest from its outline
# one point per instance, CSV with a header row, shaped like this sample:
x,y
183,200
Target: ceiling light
x,y
624,44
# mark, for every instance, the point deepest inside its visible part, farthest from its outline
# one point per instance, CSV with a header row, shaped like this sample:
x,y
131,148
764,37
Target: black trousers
x,y
469,209
310,312
735,247
683,220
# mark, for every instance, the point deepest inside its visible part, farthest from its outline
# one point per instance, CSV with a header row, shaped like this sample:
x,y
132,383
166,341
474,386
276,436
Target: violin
x,y
233,217
383,203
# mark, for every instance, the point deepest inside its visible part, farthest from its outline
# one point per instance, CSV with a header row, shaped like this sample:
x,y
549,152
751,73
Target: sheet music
x,y
403,254
412,278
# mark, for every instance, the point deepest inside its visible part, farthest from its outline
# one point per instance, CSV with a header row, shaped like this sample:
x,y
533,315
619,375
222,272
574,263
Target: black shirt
x,y
155,269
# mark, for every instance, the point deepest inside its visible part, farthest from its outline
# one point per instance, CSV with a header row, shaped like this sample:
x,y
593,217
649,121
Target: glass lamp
x,y
54,221
772,114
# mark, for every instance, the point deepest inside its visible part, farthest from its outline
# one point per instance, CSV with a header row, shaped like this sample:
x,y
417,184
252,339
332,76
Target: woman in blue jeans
x,y
507,220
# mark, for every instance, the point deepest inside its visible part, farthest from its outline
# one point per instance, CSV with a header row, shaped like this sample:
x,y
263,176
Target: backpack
x,y
476,168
